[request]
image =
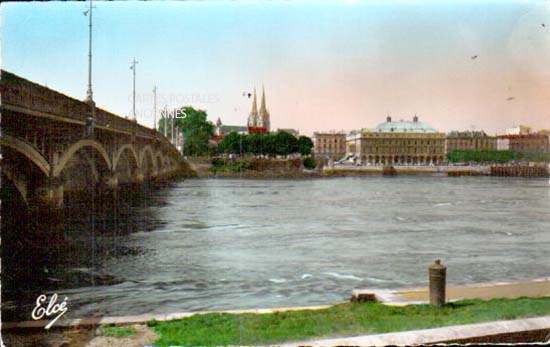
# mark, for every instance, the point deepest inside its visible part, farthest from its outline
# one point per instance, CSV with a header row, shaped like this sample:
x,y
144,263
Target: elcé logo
x,y
53,308
173,114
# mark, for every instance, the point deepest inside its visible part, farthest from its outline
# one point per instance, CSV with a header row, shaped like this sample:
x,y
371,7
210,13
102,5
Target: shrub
x,y
310,163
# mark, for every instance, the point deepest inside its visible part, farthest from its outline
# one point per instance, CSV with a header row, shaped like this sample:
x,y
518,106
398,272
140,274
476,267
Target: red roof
x,y
257,130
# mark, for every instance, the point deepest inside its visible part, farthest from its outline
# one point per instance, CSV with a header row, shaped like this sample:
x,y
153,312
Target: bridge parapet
x,y
20,93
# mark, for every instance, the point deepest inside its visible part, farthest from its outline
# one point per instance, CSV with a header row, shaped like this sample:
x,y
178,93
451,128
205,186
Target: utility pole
x,y
155,108
89,93
182,142
133,68
90,121
173,143
165,120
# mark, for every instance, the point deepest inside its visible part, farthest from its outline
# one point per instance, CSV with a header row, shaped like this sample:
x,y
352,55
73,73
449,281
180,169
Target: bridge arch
x,y
130,148
19,181
159,159
28,151
147,162
69,153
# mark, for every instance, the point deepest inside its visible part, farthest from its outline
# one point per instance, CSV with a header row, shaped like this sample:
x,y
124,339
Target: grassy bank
x,y
340,320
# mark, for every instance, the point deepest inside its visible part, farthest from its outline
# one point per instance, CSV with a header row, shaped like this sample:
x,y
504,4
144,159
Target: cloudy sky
x,y
331,65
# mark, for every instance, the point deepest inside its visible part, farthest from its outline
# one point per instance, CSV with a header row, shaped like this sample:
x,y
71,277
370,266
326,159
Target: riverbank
x,y
469,304
348,171
339,320
282,327
530,289
293,169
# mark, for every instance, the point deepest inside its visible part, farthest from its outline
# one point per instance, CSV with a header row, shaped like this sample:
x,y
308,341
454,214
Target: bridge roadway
x,y
47,150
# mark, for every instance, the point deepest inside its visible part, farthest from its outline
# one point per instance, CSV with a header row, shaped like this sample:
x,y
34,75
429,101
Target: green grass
x,y
340,320
113,331
237,166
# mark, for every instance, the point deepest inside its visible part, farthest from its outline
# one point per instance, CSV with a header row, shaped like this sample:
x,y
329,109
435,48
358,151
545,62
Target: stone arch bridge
x,y
46,149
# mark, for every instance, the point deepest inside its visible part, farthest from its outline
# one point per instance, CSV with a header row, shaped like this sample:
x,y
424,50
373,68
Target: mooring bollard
x,y
438,275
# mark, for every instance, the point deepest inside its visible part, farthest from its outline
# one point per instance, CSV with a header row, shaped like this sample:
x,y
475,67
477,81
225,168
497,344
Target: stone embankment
x,y
520,171
253,168
262,168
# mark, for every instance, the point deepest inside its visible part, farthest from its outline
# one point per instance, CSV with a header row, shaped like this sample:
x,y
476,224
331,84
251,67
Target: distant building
x,y
526,142
329,144
470,140
259,122
519,130
353,139
503,144
290,131
220,130
399,142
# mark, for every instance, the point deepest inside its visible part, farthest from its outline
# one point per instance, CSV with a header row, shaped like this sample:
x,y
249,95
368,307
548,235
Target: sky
x,y
325,65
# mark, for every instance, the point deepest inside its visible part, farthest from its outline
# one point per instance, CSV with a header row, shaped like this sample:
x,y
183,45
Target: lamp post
x,y
172,133
155,108
165,120
90,120
89,93
133,68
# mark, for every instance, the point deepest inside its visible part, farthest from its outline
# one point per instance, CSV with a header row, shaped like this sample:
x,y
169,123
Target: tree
x,y
280,143
255,143
310,163
285,143
231,143
305,145
197,130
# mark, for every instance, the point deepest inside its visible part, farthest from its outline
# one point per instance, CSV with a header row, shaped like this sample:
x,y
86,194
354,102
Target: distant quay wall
x,y
262,168
520,171
343,171
451,171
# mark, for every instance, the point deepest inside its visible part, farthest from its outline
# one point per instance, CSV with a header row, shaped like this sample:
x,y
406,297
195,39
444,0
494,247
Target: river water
x,y
234,244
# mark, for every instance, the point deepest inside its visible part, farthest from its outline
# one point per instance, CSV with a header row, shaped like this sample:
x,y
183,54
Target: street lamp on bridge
x,y
133,68
90,120
155,108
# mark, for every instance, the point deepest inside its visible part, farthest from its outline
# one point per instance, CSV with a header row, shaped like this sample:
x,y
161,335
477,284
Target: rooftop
x,y
467,133
229,128
404,126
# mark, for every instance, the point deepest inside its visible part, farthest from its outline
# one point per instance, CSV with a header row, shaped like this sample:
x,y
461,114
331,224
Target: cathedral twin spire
x,y
259,119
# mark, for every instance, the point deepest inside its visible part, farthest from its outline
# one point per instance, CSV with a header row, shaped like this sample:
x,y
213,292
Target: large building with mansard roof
x,y
402,142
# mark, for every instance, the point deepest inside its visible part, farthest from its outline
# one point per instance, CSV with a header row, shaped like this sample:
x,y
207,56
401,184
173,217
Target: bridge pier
x,y
50,195
139,178
46,203
111,181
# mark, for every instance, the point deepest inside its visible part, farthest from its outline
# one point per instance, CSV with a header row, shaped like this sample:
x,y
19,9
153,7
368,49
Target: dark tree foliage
x,y
197,130
279,143
494,156
305,145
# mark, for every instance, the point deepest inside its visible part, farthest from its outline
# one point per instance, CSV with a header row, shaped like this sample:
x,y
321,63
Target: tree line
x,y
197,132
494,156
271,144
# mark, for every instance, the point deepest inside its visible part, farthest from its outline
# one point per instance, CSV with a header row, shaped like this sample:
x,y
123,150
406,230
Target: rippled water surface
x,y
235,244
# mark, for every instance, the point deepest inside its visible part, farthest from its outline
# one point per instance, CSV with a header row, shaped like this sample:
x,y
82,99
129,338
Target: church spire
x,y
263,110
254,104
264,113
253,117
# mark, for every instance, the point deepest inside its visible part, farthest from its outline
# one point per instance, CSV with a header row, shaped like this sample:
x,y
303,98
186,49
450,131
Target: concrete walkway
x,y
533,289
456,332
